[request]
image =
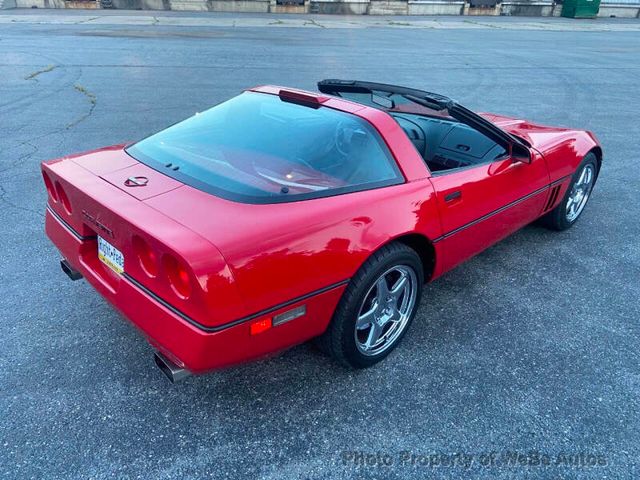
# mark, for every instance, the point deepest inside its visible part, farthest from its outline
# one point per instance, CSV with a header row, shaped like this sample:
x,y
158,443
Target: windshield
x,y
259,148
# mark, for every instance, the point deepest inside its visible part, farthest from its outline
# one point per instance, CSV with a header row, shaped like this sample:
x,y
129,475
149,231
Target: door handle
x,y
450,197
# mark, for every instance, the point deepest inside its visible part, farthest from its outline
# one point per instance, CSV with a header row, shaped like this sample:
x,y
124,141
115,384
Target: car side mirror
x,y
520,153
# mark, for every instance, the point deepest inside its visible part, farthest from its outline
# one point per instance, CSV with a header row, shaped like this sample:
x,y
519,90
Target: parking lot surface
x,y
529,349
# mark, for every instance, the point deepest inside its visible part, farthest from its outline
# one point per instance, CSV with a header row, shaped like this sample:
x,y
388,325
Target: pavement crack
x,y
92,100
80,22
482,24
6,201
33,75
22,158
311,21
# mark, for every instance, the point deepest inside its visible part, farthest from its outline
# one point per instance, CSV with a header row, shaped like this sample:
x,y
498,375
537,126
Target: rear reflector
x,y
260,326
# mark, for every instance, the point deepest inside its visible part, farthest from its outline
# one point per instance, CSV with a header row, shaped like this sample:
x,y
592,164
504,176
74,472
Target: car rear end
x,y
172,283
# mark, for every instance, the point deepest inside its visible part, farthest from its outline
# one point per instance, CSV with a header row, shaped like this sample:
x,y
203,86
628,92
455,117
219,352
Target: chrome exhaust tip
x,y
71,272
173,372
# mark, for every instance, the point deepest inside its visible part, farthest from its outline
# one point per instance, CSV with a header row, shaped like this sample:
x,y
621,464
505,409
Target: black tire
x,y
557,218
339,340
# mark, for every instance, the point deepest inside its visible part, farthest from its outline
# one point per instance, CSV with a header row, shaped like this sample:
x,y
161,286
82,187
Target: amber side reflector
x,y
260,326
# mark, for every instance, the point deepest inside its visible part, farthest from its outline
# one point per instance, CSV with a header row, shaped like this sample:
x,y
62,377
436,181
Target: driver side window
x,y
447,144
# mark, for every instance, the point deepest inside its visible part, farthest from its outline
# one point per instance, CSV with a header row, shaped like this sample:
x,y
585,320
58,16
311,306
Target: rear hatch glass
x,y
258,148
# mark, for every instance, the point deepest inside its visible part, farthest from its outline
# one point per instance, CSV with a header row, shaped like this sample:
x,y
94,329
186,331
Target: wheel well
x,y
425,250
597,151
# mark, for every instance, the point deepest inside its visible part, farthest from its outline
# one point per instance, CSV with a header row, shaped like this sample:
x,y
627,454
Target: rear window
x,y
259,148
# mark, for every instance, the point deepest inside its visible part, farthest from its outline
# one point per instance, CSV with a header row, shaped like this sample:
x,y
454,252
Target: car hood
x,y
540,137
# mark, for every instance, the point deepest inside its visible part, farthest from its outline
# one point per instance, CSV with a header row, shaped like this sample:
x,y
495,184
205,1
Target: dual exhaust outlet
x,y
172,371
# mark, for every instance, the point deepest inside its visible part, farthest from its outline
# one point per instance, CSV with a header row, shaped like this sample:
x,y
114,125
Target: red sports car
x,y
283,215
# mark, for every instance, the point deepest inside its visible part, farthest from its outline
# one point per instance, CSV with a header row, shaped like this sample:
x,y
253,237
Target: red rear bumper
x,y
195,348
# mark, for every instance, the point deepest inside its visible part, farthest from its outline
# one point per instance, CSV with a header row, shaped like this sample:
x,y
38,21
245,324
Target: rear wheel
x,y
376,309
567,212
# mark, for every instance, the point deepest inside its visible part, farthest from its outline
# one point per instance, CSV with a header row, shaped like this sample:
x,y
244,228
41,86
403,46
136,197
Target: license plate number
x,y
110,256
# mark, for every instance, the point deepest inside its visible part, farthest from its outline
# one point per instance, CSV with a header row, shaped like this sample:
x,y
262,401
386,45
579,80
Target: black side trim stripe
x,y
69,227
501,209
559,181
224,326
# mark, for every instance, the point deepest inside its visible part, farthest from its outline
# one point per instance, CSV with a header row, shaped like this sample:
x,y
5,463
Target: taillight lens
x,y
62,195
178,276
146,256
49,186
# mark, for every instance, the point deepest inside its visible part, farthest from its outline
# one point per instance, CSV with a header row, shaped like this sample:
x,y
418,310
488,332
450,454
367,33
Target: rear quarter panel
x,y
281,251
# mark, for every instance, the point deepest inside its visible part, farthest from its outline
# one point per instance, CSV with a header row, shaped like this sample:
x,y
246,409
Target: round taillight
x,y
62,195
147,257
178,276
49,186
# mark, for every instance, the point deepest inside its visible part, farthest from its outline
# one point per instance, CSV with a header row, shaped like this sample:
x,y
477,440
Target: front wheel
x,y
376,309
567,212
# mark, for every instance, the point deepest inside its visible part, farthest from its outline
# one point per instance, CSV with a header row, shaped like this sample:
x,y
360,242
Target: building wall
x,y
535,8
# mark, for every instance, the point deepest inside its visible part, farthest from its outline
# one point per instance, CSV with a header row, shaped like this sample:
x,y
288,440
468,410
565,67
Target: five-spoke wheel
x,y
579,193
377,307
385,310
567,212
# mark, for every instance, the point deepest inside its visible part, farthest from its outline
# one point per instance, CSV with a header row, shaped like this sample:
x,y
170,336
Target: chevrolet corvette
x,y
281,216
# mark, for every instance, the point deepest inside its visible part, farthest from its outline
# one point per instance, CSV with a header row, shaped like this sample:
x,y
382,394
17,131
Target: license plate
x,y
110,256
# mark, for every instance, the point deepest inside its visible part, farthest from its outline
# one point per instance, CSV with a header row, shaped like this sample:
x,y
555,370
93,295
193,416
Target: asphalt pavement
x,y
522,363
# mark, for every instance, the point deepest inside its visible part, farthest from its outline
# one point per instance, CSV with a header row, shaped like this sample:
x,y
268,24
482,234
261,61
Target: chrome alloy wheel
x,y
386,310
580,192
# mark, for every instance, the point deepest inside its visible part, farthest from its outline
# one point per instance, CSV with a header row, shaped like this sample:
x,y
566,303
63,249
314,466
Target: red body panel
x,y
484,190
281,251
562,148
247,262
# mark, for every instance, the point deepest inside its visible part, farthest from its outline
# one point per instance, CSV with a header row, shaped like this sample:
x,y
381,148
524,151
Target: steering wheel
x,y
301,160
343,136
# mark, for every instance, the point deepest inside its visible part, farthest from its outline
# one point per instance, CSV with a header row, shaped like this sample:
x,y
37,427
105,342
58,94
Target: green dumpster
x,y
580,8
